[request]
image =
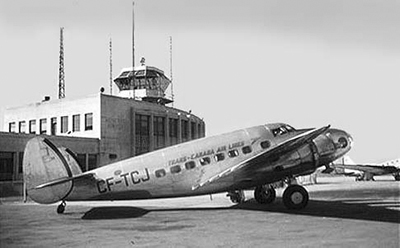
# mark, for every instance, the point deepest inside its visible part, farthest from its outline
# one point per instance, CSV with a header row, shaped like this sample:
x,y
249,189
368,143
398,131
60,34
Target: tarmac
x,y
340,213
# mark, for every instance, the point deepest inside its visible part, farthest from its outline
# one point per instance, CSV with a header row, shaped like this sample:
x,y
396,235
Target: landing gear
x,y
295,197
61,207
397,177
236,196
264,194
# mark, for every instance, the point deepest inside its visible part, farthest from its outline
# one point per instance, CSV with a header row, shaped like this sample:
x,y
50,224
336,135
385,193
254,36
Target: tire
x,y
264,195
295,197
237,197
61,208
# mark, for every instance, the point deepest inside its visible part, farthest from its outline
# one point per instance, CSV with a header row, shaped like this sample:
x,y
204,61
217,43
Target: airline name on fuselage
x,y
135,177
204,153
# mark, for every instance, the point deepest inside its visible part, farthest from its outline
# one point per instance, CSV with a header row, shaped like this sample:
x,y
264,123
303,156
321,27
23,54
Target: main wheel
x,y
264,194
295,197
237,196
397,177
61,208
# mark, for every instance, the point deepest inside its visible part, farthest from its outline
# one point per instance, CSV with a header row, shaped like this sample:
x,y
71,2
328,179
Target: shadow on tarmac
x,y
331,209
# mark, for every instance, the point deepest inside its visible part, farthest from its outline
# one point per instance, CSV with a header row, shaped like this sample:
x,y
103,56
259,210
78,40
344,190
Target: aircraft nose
x,y
341,139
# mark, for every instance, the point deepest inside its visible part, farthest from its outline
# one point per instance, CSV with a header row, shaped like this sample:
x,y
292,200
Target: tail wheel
x,y
61,207
295,197
264,194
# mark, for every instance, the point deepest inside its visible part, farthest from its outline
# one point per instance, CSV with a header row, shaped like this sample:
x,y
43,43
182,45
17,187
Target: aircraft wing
x,y
66,179
286,146
373,169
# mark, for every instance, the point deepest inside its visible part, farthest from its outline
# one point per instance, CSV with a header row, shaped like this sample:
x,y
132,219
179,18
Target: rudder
x,y
44,162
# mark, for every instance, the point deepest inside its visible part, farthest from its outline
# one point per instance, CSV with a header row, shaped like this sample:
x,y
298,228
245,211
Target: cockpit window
x,y
284,129
342,142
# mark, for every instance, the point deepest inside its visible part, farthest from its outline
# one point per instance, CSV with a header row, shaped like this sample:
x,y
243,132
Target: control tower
x,y
146,83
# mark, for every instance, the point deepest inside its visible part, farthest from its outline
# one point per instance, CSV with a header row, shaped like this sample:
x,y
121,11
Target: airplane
x,y
366,172
251,158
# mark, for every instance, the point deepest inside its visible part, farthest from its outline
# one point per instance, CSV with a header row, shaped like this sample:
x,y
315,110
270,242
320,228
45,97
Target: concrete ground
x,y
341,213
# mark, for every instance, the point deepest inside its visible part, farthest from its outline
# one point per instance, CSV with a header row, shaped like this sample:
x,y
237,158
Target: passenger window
x,y
233,153
190,165
175,169
205,161
246,149
160,173
219,157
265,144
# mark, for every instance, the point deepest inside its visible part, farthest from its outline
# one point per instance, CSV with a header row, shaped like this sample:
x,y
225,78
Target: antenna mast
x,y
133,50
61,80
170,68
110,66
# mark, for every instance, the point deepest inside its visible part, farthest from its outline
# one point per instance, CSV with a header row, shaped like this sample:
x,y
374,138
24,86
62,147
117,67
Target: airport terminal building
x,y
100,128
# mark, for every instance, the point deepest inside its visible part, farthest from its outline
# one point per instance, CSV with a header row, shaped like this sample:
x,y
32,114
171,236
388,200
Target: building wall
x,y
57,109
119,131
115,135
12,147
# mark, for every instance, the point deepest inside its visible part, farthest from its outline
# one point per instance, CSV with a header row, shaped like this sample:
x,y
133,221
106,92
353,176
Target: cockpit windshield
x,y
283,129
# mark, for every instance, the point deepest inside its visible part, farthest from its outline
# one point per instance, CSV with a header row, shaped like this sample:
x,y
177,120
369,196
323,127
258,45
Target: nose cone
x,y
341,140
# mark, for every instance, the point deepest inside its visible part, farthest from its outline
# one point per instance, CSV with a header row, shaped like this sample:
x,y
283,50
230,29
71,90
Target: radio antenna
x,y
61,79
170,70
111,67
133,50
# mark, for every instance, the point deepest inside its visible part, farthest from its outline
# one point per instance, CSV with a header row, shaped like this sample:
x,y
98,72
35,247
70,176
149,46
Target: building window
x,y
81,159
193,129
159,132
76,123
20,162
185,130
6,166
205,161
175,169
112,156
142,133
11,127
173,131
199,130
160,173
22,127
32,126
190,165
53,124
246,149
233,153
64,124
43,126
88,121
219,157
92,161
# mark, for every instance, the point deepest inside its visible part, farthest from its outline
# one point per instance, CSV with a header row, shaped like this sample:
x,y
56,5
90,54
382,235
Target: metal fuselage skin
x,y
170,172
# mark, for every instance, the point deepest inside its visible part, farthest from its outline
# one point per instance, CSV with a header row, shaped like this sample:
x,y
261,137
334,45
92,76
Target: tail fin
x,y
44,162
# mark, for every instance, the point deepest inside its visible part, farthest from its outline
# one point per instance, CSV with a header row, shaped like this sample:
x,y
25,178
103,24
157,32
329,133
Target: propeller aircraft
x,y
251,158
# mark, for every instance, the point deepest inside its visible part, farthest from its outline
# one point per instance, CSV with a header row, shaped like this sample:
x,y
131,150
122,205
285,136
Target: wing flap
x,y
286,146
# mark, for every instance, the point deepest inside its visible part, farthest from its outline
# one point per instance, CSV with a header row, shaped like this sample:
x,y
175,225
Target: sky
x,y
236,64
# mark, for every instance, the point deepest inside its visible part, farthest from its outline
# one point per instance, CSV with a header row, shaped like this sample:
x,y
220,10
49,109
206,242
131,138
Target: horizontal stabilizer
x,y
64,180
